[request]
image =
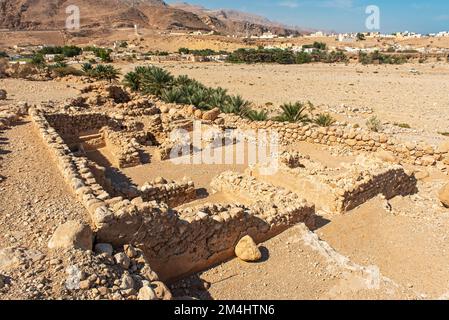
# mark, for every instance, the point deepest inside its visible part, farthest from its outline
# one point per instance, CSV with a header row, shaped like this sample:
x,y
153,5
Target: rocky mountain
x,y
236,17
52,15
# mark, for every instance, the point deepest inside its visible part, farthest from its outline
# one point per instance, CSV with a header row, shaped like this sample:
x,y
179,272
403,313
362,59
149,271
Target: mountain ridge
x,y
154,14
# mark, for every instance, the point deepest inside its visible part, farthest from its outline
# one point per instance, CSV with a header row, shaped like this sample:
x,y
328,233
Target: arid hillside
x,y
155,14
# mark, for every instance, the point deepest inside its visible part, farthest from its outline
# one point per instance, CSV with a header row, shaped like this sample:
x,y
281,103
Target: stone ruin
x,y
176,242
179,240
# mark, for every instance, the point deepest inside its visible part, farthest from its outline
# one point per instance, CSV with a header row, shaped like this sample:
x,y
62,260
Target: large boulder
x,y
72,234
443,195
3,94
247,250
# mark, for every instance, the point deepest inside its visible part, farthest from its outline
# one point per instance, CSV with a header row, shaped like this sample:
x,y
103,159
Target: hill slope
x,y
51,15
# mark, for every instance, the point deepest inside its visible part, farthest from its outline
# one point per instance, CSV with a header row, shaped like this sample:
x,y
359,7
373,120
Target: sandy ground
x,y
395,94
411,252
291,268
35,92
407,243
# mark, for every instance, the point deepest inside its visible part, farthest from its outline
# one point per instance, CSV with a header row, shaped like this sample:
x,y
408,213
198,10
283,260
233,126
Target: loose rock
x,y
72,234
247,250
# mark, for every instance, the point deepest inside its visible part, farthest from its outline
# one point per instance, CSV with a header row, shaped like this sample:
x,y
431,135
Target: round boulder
x,y
72,234
443,195
247,250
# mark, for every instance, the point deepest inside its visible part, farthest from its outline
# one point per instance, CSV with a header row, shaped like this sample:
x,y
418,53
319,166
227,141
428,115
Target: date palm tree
x,y
293,112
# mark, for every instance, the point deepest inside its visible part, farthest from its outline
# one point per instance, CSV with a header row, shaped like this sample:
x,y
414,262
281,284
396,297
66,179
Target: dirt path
x,y
34,197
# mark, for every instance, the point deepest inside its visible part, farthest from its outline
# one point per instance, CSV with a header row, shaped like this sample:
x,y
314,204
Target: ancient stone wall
x,y
356,139
338,190
73,125
124,148
175,242
172,193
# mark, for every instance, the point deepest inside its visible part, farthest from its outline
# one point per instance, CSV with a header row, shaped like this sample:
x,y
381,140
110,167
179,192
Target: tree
x,y
105,72
38,60
360,37
153,80
132,81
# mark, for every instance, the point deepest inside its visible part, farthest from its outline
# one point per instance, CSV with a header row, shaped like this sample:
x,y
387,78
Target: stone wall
x,y
356,139
172,193
126,150
73,125
338,190
176,243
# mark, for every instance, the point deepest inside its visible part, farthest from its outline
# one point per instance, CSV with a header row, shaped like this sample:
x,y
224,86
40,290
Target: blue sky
x,y
345,15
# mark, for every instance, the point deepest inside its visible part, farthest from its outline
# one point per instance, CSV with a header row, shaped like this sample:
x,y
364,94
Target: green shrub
x,y
38,60
62,71
87,68
293,112
374,124
66,51
360,37
377,57
324,120
132,81
403,125
105,72
152,80
303,57
102,53
257,115
172,95
237,105
286,56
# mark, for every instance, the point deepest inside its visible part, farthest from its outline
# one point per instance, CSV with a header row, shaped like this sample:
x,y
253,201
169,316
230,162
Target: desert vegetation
x,y
379,58
184,90
318,54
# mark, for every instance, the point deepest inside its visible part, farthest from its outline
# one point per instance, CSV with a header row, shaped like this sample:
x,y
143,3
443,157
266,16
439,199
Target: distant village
x,y
124,51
